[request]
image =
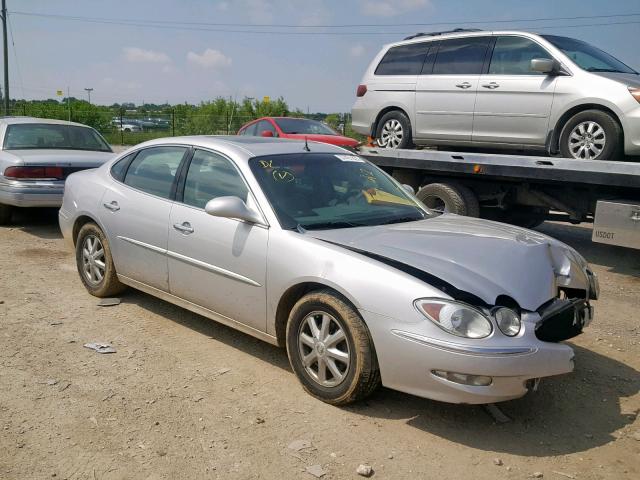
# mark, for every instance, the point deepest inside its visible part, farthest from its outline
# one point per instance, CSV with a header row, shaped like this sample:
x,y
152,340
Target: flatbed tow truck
x,y
523,190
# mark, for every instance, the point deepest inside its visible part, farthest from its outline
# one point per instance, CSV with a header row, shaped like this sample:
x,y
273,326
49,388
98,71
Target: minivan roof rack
x,y
435,34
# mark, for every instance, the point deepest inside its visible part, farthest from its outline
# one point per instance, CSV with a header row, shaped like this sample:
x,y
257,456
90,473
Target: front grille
x,y
562,319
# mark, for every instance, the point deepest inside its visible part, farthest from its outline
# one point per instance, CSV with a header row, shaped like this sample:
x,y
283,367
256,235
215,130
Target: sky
x,y
176,51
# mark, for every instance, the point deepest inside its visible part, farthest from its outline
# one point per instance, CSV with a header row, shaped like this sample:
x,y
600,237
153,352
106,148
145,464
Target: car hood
x,y
332,139
60,158
478,257
629,79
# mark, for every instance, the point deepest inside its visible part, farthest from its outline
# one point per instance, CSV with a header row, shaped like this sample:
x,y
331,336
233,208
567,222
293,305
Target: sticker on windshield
x,y
350,158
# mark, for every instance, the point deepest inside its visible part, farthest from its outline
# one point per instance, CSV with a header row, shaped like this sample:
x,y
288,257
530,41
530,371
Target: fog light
x,y
464,378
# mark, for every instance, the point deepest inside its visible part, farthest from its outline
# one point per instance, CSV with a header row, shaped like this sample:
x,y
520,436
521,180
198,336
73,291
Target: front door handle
x,y
491,85
113,206
464,85
184,227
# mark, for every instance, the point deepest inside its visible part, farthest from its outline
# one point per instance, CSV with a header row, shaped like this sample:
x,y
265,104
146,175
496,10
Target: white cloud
x,y
210,58
260,11
140,55
356,50
222,6
388,8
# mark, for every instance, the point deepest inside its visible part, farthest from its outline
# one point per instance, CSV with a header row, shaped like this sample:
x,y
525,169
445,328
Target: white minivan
x,y
506,89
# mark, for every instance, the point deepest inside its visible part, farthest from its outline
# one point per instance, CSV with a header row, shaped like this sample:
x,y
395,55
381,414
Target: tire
x,y
398,126
356,379
601,132
109,284
450,198
5,214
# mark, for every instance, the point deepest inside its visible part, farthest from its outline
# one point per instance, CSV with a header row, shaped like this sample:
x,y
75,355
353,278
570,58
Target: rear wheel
x,y
449,198
95,264
5,214
591,135
394,131
330,349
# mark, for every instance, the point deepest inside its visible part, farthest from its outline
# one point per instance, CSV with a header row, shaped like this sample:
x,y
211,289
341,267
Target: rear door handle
x,y
491,85
113,206
463,85
184,227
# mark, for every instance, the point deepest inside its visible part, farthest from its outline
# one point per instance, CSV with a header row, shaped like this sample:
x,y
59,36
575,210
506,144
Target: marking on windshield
x,y
283,176
350,158
266,164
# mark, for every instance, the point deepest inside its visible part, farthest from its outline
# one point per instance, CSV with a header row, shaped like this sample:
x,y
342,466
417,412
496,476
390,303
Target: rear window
x,y
49,136
403,60
461,56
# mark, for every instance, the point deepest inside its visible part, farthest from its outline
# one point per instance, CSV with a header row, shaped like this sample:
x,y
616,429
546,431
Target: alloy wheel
x,y
587,140
324,349
391,135
93,259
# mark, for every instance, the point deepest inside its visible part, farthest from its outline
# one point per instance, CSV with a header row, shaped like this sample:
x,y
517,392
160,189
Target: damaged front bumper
x,y
458,370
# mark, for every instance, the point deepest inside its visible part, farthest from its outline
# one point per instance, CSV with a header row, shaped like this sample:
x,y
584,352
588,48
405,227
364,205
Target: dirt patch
x,y
184,397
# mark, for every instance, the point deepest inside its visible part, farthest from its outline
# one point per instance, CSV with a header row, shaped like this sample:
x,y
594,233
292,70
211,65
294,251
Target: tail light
x,y
32,173
362,89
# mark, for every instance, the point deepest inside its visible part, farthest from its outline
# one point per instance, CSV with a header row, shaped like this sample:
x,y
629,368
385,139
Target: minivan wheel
x,y
394,131
95,264
591,135
449,198
330,349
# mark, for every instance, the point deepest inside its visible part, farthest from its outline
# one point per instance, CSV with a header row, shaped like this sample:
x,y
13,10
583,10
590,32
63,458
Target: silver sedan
x,y
312,248
37,155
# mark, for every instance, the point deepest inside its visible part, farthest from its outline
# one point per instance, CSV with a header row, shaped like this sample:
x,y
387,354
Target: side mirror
x,y
232,207
544,65
409,188
267,133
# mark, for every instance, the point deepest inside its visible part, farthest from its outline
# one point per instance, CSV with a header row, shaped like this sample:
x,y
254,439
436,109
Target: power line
x,y
137,22
278,32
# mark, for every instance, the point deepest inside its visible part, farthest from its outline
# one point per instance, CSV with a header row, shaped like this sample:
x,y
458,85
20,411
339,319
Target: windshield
x,y
324,191
587,56
302,125
51,136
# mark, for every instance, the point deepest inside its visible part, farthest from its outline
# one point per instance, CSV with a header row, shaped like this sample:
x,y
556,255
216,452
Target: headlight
x,y
508,321
456,318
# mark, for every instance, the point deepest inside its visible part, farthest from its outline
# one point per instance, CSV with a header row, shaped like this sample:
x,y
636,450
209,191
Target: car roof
x,y
461,34
17,120
248,147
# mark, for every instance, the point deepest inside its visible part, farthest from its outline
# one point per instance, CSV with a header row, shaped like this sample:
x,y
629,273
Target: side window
x,y
119,168
210,176
403,60
513,55
154,170
250,130
461,56
265,126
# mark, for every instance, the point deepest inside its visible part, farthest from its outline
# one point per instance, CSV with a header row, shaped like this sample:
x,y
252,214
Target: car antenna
x,y
306,144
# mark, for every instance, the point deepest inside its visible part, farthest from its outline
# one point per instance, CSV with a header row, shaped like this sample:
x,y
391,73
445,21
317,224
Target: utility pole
x,y
6,57
89,90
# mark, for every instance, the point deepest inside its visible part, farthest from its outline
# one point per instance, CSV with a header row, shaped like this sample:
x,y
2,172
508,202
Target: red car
x,y
296,128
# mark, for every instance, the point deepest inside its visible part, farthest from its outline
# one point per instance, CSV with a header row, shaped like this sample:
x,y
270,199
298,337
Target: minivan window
x,y
461,56
513,55
587,56
154,170
403,60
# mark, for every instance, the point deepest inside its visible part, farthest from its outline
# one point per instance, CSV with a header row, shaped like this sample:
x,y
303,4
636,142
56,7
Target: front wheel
x,y
330,349
591,135
394,131
95,264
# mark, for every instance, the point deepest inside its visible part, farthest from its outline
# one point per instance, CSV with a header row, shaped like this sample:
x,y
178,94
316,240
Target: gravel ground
x,y
184,397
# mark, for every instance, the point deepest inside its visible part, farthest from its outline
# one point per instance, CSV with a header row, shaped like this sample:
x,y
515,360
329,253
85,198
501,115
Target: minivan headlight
x,y
456,318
